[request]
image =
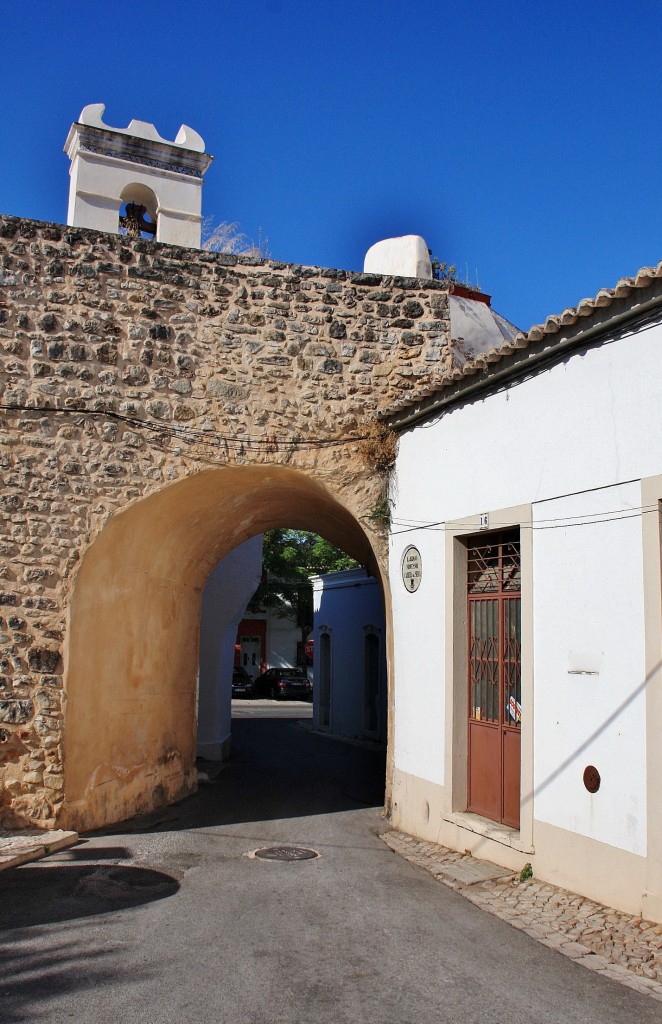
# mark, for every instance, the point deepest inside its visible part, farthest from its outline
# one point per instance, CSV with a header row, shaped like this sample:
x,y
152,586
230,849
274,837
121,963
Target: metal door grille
x,y
494,567
484,659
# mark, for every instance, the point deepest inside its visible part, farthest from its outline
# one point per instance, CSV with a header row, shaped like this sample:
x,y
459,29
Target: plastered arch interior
x,y
134,621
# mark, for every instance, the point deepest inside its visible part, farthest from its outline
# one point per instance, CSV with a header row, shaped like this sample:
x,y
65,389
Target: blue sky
x,y
522,140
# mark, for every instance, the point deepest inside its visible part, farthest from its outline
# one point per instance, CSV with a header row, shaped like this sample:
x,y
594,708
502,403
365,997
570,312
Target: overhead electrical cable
x,y
209,438
272,445
585,519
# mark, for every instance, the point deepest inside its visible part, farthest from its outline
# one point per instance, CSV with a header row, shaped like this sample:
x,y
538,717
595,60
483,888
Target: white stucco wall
x,y
419,635
282,638
559,442
587,422
590,697
229,587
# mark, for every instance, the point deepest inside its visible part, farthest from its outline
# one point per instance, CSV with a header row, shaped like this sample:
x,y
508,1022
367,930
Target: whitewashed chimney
x,y
406,256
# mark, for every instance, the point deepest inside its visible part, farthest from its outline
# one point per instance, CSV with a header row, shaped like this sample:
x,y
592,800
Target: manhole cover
x,y
285,853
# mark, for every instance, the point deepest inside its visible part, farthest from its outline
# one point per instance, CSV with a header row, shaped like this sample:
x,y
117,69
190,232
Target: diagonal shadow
x,y
81,852
613,717
41,964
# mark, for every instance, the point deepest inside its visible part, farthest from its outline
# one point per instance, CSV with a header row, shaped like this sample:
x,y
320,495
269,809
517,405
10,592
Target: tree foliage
x,y
289,558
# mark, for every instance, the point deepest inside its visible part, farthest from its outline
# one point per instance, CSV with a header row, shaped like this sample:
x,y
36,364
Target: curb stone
x,y
18,848
619,946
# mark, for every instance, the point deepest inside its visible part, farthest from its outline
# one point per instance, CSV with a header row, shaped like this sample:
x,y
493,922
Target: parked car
x,y
242,684
283,682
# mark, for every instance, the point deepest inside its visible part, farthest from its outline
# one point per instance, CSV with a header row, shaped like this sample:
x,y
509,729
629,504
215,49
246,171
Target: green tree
x,y
289,558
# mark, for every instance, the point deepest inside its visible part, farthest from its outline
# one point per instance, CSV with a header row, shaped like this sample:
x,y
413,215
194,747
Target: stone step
x,y
20,847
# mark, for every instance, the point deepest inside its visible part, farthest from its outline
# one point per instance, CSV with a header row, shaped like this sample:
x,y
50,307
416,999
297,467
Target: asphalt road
x,y
168,919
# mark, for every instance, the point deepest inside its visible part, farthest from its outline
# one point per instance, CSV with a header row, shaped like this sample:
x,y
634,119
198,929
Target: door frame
x,y
456,627
494,743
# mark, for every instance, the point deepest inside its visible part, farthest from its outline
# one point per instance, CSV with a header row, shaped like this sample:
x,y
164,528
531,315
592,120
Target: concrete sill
x,y
489,830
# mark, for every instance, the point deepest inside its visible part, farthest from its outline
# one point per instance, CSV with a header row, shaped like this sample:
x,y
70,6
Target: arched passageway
x,y
133,628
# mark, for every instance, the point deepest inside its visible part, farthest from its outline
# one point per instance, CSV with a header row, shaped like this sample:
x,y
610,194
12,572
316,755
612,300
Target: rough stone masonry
x,y
127,366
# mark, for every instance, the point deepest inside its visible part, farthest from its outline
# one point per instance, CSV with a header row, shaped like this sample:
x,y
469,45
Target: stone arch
x,y
131,656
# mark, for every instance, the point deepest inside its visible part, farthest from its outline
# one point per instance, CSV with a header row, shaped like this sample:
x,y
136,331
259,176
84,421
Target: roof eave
x,y
528,352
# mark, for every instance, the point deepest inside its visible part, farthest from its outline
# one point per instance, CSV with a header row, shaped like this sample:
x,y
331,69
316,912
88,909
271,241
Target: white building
x,y
527,608
228,589
349,667
266,640
229,636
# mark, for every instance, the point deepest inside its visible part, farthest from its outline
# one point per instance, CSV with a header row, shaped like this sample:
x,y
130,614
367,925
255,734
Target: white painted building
x,y
266,640
227,638
229,587
349,665
527,653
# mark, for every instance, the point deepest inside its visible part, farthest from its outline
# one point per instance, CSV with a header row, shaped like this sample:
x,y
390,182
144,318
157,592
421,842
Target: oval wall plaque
x,y
412,568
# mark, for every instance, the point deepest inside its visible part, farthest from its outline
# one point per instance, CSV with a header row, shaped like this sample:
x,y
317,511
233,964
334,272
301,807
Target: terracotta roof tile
x,y
642,279
552,325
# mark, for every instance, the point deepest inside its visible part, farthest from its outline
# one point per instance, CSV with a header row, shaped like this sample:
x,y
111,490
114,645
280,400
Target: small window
x,y
493,565
325,680
371,683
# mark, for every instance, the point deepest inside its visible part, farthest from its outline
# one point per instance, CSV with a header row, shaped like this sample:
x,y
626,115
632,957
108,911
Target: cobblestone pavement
x,y
20,847
624,948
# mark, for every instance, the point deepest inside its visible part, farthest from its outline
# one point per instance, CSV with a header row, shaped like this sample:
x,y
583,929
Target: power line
x,y
587,519
406,521
211,439
271,445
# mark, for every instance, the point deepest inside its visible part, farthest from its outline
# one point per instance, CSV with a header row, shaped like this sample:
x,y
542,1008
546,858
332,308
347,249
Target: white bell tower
x,y
131,179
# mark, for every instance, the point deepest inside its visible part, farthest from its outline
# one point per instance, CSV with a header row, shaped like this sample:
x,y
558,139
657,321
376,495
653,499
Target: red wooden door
x,y
495,690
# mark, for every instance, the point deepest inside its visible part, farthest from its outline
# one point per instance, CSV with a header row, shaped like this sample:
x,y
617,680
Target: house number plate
x,y
412,569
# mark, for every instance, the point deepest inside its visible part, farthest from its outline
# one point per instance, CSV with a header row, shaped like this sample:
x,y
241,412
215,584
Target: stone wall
x,y
128,365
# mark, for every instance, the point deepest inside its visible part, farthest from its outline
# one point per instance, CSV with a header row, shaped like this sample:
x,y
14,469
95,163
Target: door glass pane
x,y
371,683
511,567
512,660
484,659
